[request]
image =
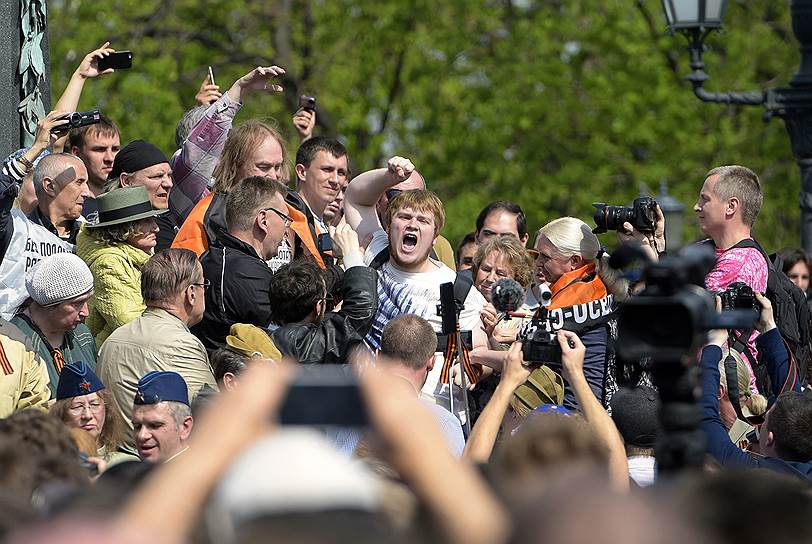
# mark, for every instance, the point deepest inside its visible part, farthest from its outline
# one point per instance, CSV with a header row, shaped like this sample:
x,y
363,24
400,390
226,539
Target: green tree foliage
x,y
551,103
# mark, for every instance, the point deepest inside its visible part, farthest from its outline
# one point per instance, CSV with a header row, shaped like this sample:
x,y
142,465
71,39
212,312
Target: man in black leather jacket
x,y
301,296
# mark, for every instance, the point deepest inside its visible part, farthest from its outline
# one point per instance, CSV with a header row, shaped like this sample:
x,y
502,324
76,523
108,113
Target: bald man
x,y
442,247
60,182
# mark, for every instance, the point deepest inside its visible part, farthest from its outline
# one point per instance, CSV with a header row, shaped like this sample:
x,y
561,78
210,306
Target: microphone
x,y
507,295
545,295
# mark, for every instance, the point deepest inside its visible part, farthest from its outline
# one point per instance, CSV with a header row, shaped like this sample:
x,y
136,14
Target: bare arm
x,y
170,501
599,422
483,436
88,68
491,358
365,190
426,464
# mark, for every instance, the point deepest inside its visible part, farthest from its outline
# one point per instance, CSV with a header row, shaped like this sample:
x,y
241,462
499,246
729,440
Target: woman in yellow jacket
x,y
116,250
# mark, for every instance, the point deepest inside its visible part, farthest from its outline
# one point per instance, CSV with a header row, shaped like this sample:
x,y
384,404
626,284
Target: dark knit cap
x,y
635,412
136,156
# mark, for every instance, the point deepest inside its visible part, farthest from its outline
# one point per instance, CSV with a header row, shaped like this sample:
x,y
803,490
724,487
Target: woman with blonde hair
x,y
82,402
751,404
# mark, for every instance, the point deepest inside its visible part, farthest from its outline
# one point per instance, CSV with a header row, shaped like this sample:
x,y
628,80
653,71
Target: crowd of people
x,y
165,318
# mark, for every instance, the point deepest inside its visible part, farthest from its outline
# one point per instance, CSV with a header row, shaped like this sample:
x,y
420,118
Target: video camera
x,y
660,328
78,119
642,215
671,317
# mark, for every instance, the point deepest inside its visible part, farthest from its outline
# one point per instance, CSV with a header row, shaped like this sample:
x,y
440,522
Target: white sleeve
x,y
380,241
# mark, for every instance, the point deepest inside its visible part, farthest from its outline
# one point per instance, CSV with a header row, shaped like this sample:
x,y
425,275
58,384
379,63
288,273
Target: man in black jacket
x,y
257,219
301,298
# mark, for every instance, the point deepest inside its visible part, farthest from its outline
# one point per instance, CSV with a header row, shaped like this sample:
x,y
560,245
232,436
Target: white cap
x,y
295,470
58,278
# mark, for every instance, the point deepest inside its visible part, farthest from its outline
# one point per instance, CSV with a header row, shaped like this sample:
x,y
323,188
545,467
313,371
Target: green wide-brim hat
x,y
124,205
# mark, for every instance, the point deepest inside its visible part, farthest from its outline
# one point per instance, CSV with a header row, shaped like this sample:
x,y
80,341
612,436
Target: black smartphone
x,y
324,243
324,395
120,60
307,102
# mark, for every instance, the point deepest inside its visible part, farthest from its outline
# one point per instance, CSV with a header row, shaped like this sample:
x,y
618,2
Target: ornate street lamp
x,y
698,18
673,211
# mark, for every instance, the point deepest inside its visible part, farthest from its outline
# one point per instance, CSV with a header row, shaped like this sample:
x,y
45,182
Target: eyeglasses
x,y
541,257
285,217
205,284
392,193
78,409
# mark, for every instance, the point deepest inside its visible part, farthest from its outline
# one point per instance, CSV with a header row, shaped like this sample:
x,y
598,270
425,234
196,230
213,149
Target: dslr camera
x,y
539,345
739,296
642,215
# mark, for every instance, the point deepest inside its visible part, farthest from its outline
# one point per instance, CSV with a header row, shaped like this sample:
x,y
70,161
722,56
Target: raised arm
x,y
453,491
193,166
170,501
599,422
365,190
88,68
483,436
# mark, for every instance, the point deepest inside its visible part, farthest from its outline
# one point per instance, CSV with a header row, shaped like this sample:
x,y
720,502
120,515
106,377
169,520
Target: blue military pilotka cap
x,y
77,379
155,387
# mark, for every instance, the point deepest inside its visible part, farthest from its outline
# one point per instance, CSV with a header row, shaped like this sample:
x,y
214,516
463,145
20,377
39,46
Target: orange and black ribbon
x,y
4,362
450,356
59,360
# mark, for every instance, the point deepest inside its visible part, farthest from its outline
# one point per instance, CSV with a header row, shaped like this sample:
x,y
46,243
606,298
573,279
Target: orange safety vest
x,y
192,234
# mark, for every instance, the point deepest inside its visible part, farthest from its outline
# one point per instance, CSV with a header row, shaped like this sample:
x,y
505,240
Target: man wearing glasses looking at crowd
x,y
257,220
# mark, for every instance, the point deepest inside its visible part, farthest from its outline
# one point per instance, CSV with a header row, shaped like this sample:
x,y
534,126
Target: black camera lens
x,y
75,119
611,217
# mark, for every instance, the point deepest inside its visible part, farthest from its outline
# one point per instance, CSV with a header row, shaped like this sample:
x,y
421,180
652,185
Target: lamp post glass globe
x,y
694,14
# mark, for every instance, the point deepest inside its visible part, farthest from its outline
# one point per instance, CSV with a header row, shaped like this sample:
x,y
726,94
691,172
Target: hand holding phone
x,y
120,60
209,91
324,395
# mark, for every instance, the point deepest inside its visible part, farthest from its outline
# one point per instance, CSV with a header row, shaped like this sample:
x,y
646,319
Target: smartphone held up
x,y
120,60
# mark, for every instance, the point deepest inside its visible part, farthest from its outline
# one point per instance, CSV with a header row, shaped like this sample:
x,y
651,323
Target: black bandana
x,y
136,156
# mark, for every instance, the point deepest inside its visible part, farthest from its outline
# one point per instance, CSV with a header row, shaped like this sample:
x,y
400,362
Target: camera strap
x,y
733,393
738,341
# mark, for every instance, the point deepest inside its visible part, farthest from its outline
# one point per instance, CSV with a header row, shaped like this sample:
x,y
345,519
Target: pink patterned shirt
x,y
740,264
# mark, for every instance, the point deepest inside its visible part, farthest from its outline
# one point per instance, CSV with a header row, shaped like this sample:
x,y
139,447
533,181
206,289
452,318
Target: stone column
x,y
12,136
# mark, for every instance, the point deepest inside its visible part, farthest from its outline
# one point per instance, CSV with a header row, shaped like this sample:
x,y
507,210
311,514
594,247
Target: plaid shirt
x,y
193,164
